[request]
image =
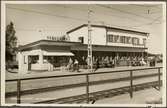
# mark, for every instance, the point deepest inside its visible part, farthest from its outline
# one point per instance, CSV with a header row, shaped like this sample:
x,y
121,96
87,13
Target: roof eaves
x,y
76,28
42,42
107,27
28,45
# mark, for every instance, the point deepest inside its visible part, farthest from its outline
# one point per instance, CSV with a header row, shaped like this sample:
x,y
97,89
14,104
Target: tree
x,y
11,42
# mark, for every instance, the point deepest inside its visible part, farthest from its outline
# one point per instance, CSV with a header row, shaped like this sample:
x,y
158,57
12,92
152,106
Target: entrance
x,y
29,63
32,60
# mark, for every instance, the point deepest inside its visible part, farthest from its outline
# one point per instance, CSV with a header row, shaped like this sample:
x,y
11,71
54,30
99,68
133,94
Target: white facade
x,y
23,61
99,36
25,64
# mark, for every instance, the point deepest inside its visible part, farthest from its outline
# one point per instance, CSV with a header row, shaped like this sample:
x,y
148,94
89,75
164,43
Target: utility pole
x,y
90,62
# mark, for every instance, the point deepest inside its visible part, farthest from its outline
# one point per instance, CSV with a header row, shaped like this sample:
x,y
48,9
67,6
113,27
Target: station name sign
x,y
58,38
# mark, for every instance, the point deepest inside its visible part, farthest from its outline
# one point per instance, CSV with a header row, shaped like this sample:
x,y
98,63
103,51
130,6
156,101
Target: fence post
x,y
18,91
87,88
159,79
131,84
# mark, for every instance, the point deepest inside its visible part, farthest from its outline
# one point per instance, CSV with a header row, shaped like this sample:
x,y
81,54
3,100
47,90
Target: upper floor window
x,y
128,40
122,39
116,38
113,38
144,42
135,41
110,38
81,39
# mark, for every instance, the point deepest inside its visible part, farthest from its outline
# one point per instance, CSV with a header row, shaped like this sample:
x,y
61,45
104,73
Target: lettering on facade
x,y
58,38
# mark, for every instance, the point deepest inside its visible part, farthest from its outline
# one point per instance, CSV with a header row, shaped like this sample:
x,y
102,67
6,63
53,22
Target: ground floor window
x,y
56,61
33,59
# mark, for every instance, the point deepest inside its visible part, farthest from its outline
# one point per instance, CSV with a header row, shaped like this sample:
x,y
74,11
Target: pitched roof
x,y
107,27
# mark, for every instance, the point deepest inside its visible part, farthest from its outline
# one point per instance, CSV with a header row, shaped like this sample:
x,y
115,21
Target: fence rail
x,y
93,96
87,84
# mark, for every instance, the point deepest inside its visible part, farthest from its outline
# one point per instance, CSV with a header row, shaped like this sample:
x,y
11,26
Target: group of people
x,y
73,66
98,62
120,61
138,61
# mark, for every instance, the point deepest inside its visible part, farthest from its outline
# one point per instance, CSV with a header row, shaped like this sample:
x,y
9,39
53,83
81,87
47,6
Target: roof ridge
x,y
109,27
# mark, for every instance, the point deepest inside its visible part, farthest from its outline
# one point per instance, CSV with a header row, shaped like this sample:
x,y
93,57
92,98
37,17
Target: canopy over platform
x,y
56,46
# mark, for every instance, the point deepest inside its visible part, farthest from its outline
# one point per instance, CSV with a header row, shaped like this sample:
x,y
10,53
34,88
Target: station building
x,y
107,43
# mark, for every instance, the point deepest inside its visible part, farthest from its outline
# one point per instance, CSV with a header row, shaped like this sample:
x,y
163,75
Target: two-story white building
x,y
109,36
107,42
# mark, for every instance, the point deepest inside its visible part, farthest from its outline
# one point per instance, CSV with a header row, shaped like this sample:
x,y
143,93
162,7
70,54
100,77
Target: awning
x,y
58,54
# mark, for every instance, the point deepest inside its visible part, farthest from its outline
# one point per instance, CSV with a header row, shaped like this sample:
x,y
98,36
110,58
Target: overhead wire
x,y
150,23
131,27
49,14
62,16
95,12
147,6
73,18
125,12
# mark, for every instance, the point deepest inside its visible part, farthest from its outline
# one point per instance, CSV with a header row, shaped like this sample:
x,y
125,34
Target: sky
x,y
37,21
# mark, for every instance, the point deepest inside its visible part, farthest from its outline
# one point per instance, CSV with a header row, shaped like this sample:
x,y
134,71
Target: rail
x,y
88,83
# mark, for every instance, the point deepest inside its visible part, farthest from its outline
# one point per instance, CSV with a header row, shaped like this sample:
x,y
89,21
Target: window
x,y
113,38
116,38
135,41
128,40
138,41
24,59
34,59
81,39
45,59
122,39
110,38
144,42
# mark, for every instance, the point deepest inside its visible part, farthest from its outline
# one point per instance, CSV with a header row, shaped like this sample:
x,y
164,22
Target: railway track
x,y
101,94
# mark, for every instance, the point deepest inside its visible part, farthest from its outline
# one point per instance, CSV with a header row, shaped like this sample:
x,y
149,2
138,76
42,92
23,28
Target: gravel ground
x,y
139,97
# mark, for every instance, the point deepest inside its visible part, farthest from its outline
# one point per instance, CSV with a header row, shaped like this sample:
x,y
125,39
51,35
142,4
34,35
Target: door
x,y
29,63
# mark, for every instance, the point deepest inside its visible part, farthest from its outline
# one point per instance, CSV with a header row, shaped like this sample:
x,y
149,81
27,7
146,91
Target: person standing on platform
x,y
128,61
97,64
76,65
49,65
70,64
142,62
